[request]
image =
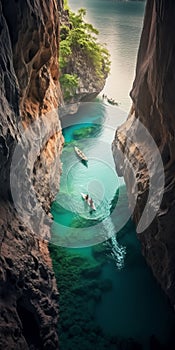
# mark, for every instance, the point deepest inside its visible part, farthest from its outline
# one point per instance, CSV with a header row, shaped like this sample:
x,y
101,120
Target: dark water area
x,y
109,298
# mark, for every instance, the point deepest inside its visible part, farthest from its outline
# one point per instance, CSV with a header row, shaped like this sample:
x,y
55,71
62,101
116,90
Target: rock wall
x,y
154,108
30,147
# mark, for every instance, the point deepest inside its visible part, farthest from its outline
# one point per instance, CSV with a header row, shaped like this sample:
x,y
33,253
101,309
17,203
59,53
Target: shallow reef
x,y
81,290
88,131
83,285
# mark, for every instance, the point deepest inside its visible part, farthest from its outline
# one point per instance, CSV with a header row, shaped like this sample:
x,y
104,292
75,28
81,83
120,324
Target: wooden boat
x,y
92,206
80,154
112,101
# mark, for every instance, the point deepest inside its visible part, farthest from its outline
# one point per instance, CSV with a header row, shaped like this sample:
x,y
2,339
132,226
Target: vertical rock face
x,y
30,147
137,158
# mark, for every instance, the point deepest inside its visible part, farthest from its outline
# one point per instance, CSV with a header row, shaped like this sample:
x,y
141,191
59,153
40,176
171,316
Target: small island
x,y
84,62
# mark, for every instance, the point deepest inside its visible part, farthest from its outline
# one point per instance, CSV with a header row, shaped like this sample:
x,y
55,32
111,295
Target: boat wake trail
x,y
118,252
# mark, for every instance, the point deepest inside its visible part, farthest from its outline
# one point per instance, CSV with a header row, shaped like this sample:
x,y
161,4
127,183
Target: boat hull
x,y
88,201
80,154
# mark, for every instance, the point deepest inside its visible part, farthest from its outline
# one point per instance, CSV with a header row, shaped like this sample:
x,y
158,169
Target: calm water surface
x,y
119,23
134,305
107,292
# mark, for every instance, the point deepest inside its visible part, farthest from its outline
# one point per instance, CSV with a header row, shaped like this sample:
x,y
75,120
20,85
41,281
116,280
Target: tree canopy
x,y
80,36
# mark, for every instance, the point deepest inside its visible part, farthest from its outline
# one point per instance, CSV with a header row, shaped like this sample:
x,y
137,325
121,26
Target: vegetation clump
x,y
79,49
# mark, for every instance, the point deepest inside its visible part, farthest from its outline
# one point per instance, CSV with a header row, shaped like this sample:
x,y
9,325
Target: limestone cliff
x,y
153,107
29,97
84,58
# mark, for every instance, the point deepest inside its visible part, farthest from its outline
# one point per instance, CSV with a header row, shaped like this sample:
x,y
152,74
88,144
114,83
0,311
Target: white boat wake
x,y
118,252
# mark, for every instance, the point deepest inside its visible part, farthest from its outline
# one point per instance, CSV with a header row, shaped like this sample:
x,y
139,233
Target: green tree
x,y
69,83
81,37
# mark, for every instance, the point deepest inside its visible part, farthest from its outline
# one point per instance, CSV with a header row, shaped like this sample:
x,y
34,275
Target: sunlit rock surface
x,y
154,107
29,97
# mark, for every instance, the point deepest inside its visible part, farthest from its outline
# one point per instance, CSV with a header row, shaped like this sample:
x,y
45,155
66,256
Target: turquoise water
x,y
119,23
109,298
132,305
95,125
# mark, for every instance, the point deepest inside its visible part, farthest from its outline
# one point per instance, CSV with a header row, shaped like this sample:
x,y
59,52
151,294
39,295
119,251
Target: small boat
x,y
80,154
112,101
88,201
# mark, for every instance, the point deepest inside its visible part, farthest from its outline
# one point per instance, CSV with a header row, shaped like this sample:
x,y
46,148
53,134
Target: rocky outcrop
x,y
89,84
135,153
30,147
80,64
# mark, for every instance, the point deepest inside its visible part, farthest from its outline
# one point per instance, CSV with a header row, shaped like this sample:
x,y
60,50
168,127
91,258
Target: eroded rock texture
x,y
154,106
29,177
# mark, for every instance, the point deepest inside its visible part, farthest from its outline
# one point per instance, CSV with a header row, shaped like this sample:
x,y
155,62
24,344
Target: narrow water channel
x,y
108,296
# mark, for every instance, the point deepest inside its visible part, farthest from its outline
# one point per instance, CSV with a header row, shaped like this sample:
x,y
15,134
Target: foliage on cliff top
x,y
80,38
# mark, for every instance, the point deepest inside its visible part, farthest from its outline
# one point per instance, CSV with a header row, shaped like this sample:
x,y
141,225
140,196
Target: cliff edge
x,y
137,158
30,130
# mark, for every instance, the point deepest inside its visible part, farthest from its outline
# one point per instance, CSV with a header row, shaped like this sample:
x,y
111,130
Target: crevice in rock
x,y
30,329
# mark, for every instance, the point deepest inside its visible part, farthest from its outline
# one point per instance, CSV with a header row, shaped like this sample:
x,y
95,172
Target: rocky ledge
x,y
152,192
30,147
